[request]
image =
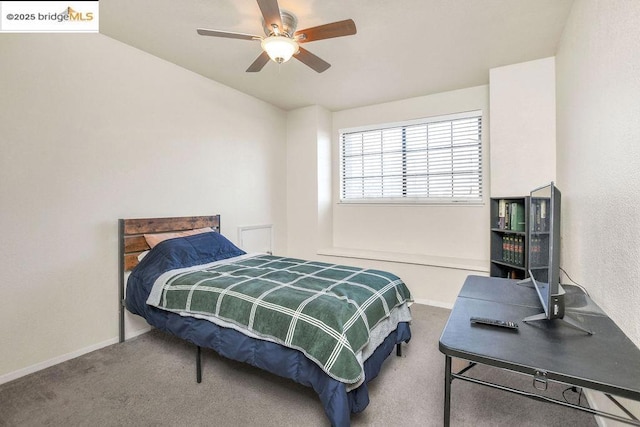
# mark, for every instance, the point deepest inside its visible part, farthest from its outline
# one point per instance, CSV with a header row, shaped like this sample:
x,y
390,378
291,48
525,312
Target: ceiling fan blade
x,y
271,13
227,34
259,63
311,60
327,31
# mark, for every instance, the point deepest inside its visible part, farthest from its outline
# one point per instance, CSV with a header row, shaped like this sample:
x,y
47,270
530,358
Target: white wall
x,y
93,131
599,154
523,127
433,248
598,81
431,230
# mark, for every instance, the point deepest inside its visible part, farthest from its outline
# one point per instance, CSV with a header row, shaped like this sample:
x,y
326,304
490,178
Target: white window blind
x,y
435,159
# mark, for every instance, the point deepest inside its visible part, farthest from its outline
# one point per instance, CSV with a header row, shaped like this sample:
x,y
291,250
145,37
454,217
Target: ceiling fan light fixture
x,y
281,40
279,48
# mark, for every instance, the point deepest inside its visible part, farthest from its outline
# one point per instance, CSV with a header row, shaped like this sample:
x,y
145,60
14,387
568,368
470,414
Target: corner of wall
x,y
309,180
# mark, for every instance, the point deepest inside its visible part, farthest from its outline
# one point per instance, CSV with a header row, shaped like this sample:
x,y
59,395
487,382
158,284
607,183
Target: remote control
x,y
495,322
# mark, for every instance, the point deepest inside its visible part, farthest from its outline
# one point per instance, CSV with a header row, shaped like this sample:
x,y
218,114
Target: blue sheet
x,y
288,363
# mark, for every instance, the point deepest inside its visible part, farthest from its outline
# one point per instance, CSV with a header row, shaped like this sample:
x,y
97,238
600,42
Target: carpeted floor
x,y
150,380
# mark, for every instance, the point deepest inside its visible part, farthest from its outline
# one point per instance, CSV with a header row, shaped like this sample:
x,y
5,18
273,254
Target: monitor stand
x,y
567,320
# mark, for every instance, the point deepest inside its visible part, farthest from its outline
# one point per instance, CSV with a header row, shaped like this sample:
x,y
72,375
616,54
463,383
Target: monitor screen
x,y
544,256
544,247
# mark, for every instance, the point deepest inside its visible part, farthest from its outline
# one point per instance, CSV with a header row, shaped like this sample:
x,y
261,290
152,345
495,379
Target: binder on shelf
x,y
501,214
508,254
540,214
517,216
535,251
507,216
505,249
520,251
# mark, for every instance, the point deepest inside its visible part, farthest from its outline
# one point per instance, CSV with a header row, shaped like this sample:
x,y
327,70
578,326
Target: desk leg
x,y
198,364
447,390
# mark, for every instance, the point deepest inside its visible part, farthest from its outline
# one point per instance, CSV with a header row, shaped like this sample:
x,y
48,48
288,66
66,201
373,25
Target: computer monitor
x,y
544,254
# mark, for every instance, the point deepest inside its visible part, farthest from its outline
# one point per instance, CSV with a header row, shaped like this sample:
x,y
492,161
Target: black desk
x,y
606,361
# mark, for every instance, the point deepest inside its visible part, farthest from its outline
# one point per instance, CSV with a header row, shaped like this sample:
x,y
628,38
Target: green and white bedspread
x,y
324,310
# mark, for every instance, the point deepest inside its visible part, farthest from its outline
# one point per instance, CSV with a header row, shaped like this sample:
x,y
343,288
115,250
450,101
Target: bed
x,y
326,326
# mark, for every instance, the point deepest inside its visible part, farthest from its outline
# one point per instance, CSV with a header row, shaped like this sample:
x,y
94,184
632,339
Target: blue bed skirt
x,y
288,363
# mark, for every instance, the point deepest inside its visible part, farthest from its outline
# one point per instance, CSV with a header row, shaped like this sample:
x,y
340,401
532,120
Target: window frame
x,y
404,200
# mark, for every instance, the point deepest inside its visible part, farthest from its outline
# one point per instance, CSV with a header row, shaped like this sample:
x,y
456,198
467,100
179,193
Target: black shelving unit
x,y
509,241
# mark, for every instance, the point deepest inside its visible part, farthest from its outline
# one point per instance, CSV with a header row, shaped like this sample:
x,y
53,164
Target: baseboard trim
x,y
64,357
473,265
72,355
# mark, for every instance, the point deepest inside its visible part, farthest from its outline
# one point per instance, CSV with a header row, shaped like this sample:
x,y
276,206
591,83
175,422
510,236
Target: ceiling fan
x,y
282,41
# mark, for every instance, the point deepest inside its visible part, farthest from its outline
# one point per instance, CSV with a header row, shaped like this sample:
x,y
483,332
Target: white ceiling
x,y
403,48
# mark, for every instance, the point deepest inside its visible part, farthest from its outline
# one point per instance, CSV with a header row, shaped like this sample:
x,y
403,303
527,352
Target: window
x,y
437,159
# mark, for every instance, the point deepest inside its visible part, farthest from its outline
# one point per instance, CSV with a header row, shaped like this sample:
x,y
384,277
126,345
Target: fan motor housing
x,y
289,24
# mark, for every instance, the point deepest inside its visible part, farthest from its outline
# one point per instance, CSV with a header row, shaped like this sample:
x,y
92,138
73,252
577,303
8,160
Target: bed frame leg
x,y
399,349
198,364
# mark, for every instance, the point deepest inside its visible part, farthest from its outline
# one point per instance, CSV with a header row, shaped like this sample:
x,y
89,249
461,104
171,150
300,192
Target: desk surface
x,y
606,361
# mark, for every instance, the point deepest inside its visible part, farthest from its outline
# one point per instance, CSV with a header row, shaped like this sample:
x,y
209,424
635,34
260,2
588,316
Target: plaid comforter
x,y
324,310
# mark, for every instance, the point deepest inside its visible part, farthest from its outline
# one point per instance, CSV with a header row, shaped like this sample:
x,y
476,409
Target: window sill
x,y
405,258
381,202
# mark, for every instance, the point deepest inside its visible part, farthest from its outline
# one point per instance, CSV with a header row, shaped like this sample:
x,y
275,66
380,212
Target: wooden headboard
x,y
132,233
132,242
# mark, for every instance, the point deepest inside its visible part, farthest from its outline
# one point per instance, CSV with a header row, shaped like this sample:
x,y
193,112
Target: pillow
x,y
187,251
141,255
154,239
181,252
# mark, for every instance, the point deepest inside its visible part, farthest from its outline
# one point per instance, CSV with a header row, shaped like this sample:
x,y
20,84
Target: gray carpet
x,y
150,380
